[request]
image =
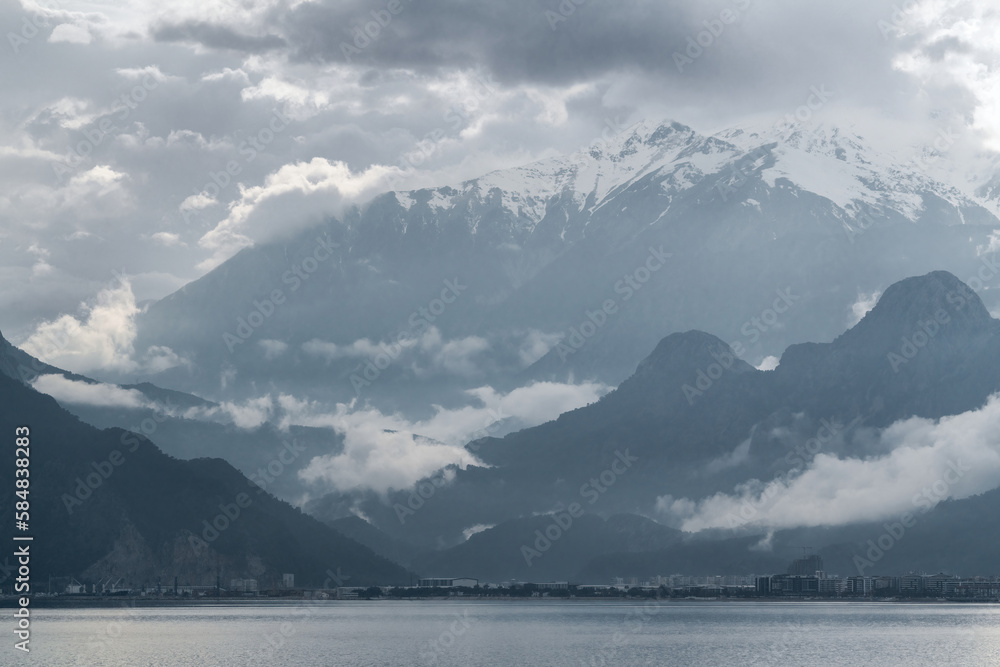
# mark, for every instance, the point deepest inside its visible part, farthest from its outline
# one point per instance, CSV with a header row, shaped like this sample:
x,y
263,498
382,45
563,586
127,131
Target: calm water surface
x,y
480,634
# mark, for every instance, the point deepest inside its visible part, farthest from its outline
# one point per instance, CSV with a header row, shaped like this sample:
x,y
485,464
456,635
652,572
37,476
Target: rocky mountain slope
x,y
694,420
676,229
111,504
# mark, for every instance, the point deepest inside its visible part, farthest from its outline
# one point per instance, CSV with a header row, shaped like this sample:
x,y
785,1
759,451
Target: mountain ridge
x,y
701,421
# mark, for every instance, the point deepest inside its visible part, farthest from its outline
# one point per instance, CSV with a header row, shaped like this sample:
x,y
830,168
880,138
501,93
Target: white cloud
x,y
427,353
478,528
536,344
954,44
734,459
769,363
301,194
70,33
384,452
301,101
247,415
381,460
167,239
101,339
150,71
228,73
85,393
159,358
272,348
927,461
455,357
250,414
197,202
860,308
361,348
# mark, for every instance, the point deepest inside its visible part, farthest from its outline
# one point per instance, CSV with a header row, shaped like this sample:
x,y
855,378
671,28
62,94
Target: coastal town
x,y
804,579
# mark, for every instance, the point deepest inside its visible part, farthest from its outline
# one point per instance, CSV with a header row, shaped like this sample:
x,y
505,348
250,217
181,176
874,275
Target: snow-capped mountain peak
x,y
830,161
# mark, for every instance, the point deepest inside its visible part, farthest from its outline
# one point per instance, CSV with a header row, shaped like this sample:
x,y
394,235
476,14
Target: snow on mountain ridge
x,y
845,168
830,161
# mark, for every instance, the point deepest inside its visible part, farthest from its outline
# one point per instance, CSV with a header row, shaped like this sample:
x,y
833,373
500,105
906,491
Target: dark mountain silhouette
x,y
110,504
696,420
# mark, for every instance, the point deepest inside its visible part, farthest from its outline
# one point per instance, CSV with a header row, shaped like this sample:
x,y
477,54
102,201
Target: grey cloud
x,y
216,37
514,40
942,47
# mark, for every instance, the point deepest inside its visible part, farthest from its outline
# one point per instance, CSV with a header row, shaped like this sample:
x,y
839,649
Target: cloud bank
x,y
928,461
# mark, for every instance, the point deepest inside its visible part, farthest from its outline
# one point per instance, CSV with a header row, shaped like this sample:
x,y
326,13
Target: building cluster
x,y
112,586
917,585
804,578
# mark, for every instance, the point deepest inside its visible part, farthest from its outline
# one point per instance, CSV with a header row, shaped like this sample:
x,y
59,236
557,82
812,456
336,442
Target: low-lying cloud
x,y
383,452
927,462
427,353
100,339
99,394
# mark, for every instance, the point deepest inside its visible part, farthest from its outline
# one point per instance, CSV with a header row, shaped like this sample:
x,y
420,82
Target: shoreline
x,y
112,602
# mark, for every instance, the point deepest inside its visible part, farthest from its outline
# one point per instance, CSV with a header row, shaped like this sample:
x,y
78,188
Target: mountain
x,y
185,426
694,420
674,229
110,504
364,533
547,547
956,537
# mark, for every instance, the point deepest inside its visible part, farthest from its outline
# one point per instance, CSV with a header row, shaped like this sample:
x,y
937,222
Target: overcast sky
x,y
116,113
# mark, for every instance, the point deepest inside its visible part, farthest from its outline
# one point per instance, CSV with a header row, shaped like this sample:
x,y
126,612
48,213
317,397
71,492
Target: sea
x,y
473,633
